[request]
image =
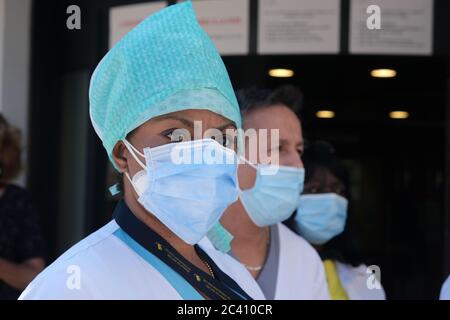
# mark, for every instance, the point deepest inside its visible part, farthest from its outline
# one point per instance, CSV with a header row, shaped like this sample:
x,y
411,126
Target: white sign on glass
x,y
124,18
226,22
391,27
298,26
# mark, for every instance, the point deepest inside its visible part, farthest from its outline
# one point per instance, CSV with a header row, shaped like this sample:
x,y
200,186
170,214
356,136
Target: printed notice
x,y
298,26
405,27
124,18
227,23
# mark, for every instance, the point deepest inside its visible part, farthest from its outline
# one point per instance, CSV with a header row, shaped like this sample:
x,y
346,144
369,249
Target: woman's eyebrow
x,y
184,121
299,144
229,125
190,123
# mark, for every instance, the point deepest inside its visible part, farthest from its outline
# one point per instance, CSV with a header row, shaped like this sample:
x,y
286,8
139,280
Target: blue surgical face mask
x,y
220,237
274,196
186,185
320,217
271,200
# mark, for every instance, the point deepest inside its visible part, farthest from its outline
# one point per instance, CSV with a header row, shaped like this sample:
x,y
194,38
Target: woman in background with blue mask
x,y
145,96
284,265
321,219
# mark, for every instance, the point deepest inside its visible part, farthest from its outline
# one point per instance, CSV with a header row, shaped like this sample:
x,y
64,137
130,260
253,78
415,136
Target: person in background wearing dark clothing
x,y
21,243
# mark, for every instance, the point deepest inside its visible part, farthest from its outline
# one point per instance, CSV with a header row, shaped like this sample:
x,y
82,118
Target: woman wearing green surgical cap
x,y
160,82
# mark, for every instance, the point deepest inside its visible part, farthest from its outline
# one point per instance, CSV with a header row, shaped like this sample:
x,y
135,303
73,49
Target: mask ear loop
x,y
243,160
133,152
131,181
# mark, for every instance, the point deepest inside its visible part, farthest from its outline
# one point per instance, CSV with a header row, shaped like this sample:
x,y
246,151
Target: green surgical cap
x,y
167,63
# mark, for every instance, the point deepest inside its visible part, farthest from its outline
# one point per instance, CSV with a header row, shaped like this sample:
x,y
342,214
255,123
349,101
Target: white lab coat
x,y
445,291
354,280
103,267
301,275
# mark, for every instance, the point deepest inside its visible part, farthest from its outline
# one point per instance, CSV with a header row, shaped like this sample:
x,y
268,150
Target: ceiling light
x,y
398,114
281,73
383,73
325,114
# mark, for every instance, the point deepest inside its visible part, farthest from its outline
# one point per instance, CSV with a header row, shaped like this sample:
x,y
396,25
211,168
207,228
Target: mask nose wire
x,y
133,152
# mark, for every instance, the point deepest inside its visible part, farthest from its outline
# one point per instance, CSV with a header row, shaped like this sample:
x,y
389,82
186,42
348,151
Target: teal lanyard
x,y
184,289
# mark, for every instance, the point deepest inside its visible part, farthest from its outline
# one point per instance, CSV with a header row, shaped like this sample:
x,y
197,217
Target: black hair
x,y
10,151
318,156
255,98
322,155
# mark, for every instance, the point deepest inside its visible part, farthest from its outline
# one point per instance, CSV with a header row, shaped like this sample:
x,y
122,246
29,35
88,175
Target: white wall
x,y
2,27
15,22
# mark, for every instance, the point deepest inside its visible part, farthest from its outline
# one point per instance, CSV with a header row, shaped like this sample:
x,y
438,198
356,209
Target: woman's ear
x,y
119,156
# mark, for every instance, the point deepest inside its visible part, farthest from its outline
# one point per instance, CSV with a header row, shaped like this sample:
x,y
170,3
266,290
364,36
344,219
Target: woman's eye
x,y
178,138
227,141
284,148
277,148
177,135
